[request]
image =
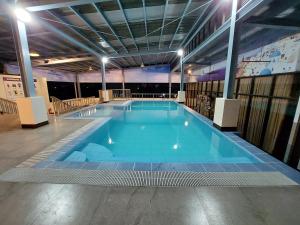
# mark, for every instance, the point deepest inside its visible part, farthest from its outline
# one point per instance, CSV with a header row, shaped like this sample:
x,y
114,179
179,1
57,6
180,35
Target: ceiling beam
x,y
78,33
56,61
200,17
180,21
274,23
57,44
145,22
60,4
128,27
184,43
243,13
207,18
163,23
28,35
72,40
91,27
108,23
142,53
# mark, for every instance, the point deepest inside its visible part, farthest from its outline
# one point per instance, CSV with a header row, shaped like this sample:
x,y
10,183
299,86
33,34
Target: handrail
x,y
121,93
153,95
64,106
7,106
126,94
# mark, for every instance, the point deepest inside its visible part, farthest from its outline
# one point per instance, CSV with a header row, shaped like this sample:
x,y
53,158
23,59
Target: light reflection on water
x,y
156,132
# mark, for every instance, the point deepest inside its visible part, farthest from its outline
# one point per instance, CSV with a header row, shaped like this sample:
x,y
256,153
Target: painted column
x,y
22,51
77,87
170,84
232,53
32,109
226,111
106,94
103,77
181,74
123,83
181,92
293,135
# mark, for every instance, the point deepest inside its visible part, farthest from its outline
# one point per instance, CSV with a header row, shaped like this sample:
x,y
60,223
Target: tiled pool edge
x,y
146,178
67,116
48,159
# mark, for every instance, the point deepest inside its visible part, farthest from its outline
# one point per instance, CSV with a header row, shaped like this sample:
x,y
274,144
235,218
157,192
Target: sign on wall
x,y
11,87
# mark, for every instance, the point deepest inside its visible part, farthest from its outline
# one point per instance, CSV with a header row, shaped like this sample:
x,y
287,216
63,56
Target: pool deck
x,y
38,204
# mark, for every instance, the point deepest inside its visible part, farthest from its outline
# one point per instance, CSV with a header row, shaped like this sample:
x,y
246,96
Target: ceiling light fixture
x,y
104,59
180,52
22,15
34,54
104,44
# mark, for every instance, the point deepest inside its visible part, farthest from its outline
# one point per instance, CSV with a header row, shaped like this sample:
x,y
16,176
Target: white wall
x,y
134,75
50,75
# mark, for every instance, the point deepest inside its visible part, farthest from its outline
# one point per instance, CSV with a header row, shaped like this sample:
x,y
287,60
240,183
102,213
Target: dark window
x,y
61,90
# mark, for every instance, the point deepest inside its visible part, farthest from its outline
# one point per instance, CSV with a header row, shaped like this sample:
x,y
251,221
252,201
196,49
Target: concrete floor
x,y
17,145
41,204
9,122
38,204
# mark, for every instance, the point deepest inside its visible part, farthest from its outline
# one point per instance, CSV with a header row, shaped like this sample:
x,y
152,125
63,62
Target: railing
x,y
64,106
153,95
7,106
121,93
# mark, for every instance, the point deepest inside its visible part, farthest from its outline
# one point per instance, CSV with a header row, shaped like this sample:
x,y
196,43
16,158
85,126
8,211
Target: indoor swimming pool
x,y
153,132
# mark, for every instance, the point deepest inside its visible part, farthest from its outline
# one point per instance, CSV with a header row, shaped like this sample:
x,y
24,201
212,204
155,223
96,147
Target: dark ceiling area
x,y
137,32
109,27
275,20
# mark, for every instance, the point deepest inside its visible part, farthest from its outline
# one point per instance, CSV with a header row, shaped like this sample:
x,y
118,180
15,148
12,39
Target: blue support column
x,y
22,51
226,111
78,89
181,92
293,135
181,74
103,77
232,54
170,84
123,83
32,109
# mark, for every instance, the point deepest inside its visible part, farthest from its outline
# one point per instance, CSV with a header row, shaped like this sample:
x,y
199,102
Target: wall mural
x,y
279,57
282,56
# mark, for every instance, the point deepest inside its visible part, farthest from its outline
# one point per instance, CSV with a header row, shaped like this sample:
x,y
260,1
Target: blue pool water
x,y
154,131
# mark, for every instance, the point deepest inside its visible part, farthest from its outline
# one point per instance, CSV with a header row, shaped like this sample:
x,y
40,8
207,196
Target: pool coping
x,y
68,116
48,159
